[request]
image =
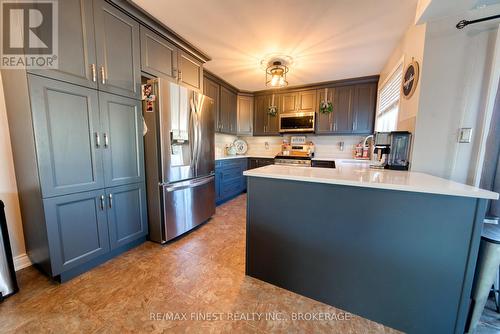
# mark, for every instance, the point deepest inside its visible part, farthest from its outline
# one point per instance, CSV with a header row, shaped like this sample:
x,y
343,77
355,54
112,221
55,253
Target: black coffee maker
x,y
399,155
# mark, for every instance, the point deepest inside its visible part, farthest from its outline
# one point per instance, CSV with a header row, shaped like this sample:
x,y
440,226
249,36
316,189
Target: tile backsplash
x,y
326,146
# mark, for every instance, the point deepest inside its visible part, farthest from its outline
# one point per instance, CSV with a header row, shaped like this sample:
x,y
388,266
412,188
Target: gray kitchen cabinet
x,y
302,101
342,110
118,53
76,228
212,90
228,110
245,115
364,105
67,135
158,56
306,101
324,121
77,63
289,102
127,214
190,71
263,123
122,142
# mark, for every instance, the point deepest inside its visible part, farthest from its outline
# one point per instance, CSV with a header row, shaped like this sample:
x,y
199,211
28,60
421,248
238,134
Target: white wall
x,y
410,46
8,189
453,88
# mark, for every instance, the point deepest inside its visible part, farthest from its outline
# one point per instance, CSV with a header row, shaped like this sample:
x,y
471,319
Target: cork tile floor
x,y
196,284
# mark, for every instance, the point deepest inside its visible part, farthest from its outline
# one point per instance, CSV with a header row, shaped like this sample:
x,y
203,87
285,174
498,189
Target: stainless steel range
x,y
298,152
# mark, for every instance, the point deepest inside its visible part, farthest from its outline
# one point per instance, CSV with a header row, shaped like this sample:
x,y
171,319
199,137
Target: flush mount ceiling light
x,y
276,71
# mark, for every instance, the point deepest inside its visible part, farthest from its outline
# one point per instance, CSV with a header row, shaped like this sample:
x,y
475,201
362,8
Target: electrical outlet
x,y
465,135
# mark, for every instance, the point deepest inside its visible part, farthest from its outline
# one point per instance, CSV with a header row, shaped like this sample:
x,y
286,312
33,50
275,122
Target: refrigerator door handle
x,y
187,185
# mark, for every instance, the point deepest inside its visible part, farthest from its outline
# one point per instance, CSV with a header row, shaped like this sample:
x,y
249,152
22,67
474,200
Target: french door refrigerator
x,y
180,158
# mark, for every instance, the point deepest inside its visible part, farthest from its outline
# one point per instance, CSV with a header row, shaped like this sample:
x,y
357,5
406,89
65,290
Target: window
x,y
388,101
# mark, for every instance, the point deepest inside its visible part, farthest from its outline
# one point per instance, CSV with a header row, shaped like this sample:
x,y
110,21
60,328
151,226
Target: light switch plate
x,y
465,135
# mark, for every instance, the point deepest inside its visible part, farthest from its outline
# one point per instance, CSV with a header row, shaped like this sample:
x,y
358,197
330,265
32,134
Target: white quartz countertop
x,y
358,176
227,157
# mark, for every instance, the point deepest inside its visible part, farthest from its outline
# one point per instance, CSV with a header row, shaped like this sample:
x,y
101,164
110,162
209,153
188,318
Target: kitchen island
x,y
395,247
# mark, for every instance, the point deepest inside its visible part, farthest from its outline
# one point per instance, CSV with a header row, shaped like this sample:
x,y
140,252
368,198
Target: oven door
x,y
297,122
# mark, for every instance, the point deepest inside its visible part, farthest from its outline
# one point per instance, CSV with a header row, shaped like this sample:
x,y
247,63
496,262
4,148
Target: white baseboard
x,y
21,261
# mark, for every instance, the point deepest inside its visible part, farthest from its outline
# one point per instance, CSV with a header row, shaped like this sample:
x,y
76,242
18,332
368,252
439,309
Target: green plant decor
x,y
272,111
325,107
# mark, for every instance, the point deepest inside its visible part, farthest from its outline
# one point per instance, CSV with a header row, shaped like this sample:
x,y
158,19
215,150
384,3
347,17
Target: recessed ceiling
x,y
327,39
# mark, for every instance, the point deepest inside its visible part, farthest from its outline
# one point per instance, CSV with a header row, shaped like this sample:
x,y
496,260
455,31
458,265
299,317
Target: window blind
x,y
388,102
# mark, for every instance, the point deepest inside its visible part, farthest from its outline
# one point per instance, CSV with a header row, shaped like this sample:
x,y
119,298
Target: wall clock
x,y
410,79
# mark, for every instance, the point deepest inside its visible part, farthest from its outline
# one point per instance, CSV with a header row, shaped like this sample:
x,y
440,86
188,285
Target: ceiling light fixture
x,y
276,74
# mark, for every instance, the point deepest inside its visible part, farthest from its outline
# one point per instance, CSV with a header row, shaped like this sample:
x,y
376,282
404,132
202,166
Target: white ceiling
x,y
328,39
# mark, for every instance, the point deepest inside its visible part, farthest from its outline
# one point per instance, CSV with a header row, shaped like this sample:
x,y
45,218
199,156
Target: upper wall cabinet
x,y
76,57
303,101
265,124
228,110
245,115
364,106
353,109
190,71
161,58
118,53
212,90
158,56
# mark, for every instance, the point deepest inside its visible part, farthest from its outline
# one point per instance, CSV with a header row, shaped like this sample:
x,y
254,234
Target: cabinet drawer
x,y
230,188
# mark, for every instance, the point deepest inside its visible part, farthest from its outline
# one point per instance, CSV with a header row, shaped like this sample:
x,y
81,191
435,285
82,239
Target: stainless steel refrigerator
x,y
180,158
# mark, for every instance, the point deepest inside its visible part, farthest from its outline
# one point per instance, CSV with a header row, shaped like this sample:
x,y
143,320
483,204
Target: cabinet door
x,y
76,228
260,115
122,128
118,54
289,102
272,122
127,214
76,56
245,115
342,109
228,107
365,97
212,89
67,135
190,71
307,101
324,122
158,56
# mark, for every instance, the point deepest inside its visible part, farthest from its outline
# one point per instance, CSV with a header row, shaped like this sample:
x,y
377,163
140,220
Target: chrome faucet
x,y
370,154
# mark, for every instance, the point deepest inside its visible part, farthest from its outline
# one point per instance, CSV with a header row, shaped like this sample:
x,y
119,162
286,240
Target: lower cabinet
x,y
229,179
77,229
259,162
84,226
127,214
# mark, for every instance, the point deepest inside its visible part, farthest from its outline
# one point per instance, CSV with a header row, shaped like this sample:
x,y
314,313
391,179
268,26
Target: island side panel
x,y
403,259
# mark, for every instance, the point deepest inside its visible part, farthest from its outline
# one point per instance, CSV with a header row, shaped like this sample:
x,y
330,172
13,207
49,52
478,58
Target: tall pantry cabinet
x,y
77,139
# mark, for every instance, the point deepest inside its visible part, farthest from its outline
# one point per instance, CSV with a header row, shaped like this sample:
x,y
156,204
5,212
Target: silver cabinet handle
x,y
106,140
180,75
97,140
103,75
354,125
102,202
94,72
110,196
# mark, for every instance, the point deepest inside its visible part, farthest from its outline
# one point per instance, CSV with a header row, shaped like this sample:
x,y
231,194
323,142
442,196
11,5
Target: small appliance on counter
x,y
298,152
382,144
399,155
392,150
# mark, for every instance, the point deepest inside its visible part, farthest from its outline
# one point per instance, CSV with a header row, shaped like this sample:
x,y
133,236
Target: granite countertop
x,y
362,176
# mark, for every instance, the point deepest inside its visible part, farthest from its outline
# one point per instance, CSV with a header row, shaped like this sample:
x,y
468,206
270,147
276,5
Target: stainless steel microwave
x,y
297,122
